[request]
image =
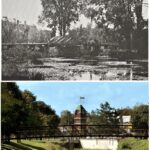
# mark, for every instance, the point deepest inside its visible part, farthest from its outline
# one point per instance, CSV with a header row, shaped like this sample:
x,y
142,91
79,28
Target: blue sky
x,y
29,10
66,95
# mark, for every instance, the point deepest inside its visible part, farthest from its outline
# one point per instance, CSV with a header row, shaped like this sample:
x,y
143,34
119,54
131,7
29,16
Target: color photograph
x,y
74,116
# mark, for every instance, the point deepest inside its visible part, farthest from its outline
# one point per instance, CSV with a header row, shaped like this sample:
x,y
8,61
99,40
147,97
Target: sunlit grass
x,y
133,144
34,145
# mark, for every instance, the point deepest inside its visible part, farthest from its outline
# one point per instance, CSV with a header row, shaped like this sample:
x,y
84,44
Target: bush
x,y
126,146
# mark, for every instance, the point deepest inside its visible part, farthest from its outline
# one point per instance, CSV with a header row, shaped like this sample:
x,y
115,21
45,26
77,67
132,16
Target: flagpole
x,y
81,98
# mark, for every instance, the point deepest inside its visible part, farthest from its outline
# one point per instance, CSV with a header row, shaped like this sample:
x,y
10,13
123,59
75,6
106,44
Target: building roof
x,y
59,40
80,107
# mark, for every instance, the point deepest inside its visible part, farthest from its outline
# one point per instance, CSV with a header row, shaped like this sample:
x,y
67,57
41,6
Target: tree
x,y
125,111
12,109
93,118
67,117
58,14
108,115
105,115
20,109
28,97
121,14
140,117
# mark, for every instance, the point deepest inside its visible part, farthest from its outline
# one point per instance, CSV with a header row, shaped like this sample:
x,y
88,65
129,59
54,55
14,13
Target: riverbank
x,y
124,144
133,144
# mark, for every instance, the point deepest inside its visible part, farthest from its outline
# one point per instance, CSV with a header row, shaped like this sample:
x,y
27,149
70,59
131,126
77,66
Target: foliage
x,y
122,15
20,108
16,32
58,14
140,117
107,114
67,117
125,111
12,109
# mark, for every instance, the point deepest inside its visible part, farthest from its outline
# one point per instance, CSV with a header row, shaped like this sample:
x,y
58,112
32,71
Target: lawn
x,y
33,145
133,144
124,144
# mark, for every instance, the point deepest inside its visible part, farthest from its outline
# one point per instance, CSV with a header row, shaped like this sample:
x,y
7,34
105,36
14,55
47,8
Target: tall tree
x,y
121,14
58,14
21,109
108,115
140,117
67,117
13,112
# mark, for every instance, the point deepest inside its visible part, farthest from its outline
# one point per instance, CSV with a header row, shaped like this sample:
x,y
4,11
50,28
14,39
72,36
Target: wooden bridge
x,y
55,41
78,131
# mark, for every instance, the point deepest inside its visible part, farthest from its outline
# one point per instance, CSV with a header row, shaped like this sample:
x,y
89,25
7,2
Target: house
x,y
125,121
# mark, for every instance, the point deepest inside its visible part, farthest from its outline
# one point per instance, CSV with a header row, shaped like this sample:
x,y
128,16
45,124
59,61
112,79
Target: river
x,y
98,68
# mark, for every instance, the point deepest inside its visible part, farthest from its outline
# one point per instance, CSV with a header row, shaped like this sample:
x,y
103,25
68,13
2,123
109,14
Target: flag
x,y
82,97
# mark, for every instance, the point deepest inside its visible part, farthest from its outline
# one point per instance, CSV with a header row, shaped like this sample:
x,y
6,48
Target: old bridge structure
x,y
58,41
79,129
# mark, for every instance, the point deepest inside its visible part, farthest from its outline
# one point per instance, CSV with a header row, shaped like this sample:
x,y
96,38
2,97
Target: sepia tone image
x,y
74,40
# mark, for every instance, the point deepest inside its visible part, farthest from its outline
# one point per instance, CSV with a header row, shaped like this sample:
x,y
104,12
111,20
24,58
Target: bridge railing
x,y
75,131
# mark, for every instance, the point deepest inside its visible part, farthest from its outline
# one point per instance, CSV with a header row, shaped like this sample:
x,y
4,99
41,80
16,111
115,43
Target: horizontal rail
x,y
80,136
53,43
13,44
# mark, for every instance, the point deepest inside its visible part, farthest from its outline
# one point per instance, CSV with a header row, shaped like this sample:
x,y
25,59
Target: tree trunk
x,y
64,30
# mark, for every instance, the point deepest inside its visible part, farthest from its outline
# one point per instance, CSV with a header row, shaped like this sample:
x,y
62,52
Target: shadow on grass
x,y
14,146
19,146
35,147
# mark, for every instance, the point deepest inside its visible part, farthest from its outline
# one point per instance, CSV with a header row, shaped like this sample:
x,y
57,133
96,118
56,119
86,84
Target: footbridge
x,y
76,131
56,41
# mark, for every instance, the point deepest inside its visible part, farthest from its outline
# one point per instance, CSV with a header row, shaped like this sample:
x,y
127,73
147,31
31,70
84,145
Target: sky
x,y
66,95
29,10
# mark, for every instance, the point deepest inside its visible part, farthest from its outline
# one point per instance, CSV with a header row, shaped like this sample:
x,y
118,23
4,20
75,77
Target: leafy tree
x,y
105,115
93,118
108,115
21,109
140,117
58,14
28,97
12,109
125,111
66,117
123,15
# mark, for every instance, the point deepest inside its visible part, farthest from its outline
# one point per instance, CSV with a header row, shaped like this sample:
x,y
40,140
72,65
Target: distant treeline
x,y
17,32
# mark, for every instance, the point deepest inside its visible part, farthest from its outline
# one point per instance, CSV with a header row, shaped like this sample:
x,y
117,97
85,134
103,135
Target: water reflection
x,y
96,69
110,75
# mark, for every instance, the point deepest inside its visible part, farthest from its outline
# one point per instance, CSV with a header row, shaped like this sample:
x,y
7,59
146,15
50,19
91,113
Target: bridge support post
x,y
70,143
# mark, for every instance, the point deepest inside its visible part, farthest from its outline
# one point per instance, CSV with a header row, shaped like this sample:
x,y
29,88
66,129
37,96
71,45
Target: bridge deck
x,y
101,131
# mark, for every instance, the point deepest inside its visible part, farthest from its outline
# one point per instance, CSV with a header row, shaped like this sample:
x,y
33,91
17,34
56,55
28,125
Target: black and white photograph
x,y
74,40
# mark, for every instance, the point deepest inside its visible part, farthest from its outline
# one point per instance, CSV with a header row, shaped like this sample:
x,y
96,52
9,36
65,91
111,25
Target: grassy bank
x,y
133,144
34,145
124,144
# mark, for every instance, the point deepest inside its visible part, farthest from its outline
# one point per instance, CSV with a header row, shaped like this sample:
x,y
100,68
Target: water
x,y
98,68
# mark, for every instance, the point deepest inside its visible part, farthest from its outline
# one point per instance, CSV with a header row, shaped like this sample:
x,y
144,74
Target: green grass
x,y
33,145
124,144
133,144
